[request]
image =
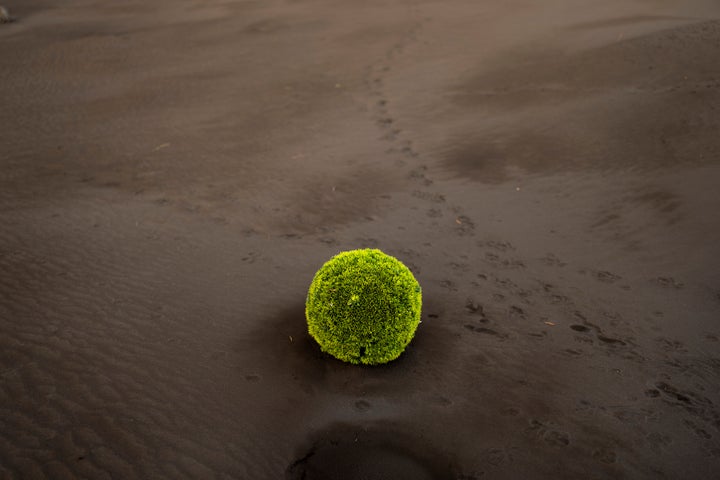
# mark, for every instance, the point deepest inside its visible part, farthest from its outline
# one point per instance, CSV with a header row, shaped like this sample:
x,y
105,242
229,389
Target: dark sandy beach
x,y
173,173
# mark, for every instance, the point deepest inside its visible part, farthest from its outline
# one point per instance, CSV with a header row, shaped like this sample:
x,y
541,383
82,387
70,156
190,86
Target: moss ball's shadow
x,y
286,337
282,345
373,451
302,347
286,333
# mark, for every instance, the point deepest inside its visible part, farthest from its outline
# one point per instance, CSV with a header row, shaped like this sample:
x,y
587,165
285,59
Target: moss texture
x,y
363,306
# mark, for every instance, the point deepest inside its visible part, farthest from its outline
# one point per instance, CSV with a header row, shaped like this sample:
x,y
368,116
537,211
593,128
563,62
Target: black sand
x,y
174,172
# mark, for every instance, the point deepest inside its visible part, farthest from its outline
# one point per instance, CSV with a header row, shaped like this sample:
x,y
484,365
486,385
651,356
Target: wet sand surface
x,y
173,173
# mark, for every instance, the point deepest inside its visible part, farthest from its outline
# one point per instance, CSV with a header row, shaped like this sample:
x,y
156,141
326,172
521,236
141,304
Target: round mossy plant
x,y
363,306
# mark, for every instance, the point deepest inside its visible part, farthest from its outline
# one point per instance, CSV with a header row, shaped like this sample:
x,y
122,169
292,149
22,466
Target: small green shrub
x,y
363,306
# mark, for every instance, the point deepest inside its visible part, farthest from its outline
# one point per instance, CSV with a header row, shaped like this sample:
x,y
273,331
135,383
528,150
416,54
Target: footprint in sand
x,y
434,197
610,341
605,276
496,245
669,282
548,434
441,401
362,406
484,330
588,328
503,262
474,308
518,312
605,455
552,261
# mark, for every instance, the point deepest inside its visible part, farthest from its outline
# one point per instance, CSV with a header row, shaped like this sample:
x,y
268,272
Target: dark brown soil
x,y
173,173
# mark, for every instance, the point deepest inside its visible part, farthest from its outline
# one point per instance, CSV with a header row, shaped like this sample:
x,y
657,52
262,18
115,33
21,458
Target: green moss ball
x,y
363,307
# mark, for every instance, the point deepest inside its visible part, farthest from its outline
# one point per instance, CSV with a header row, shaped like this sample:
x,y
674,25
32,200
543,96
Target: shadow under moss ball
x,y
363,306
